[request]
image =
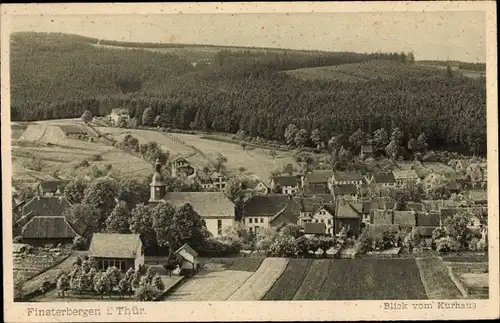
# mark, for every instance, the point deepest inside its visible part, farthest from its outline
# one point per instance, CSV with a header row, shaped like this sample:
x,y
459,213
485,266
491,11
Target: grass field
x,y
471,276
256,161
34,161
289,282
364,71
436,279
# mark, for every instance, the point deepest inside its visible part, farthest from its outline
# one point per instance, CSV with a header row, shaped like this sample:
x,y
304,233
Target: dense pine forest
x,y
61,76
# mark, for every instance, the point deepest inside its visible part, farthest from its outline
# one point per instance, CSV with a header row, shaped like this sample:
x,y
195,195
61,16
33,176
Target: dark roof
x,y
430,219
52,186
330,208
207,204
269,205
286,215
478,195
381,217
314,228
368,206
114,245
315,189
414,206
187,248
72,129
47,205
384,178
367,149
310,204
286,180
319,176
347,189
345,209
377,230
347,176
426,231
48,227
405,218
452,185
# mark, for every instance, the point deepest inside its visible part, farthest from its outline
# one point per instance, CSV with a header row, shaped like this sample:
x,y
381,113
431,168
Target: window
x,y
329,221
250,220
219,226
317,220
256,220
261,220
322,220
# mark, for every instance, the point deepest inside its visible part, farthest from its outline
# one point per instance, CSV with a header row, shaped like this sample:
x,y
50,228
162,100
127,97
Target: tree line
x,y
246,91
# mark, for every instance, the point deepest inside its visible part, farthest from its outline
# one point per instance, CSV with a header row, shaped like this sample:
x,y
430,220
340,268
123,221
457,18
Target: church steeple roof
x,y
157,179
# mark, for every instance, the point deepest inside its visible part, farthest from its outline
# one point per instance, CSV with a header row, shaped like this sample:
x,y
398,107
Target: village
x,y
153,240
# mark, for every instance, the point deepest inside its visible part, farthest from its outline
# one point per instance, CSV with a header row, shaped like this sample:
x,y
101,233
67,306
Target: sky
x,y
430,35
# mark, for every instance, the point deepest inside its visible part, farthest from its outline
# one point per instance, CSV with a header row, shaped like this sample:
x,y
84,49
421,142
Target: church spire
x,y
158,185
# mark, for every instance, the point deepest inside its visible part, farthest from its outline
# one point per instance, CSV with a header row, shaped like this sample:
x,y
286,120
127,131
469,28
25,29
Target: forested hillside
x,y
60,76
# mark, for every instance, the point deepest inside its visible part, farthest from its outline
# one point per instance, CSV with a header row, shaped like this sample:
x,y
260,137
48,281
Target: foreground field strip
x,y
370,279
313,281
289,282
436,279
210,286
256,287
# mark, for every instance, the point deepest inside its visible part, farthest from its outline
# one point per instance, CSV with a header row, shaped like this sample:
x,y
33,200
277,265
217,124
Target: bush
x,y
365,242
96,157
283,246
447,244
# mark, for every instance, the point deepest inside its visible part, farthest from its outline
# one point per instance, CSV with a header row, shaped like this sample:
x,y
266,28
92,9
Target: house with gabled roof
x,y
263,210
383,179
345,191
124,251
310,204
318,178
314,229
349,215
324,214
189,259
180,167
403,177
285,184
52,188
43,230
46,205
345,178
366,151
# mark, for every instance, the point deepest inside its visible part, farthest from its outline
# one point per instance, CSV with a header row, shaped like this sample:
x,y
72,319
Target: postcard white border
x,y
255,311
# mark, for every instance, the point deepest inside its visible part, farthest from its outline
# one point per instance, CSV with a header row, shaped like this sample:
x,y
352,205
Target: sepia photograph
x,y
167,154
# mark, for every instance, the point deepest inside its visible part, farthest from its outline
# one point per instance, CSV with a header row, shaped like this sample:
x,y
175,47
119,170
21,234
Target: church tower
x,y
158,185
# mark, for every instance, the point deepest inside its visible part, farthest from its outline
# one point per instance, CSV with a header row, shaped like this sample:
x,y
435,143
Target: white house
x,y
345,178
262,210
119,115
405,176
189,259
285,184
325,215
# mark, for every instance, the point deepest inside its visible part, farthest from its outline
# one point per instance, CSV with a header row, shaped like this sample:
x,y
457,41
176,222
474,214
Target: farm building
x,y
344,178
52,188
119,115
42,230
285,184
46,205
123,251
189,259
258,187
56,133
261,210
